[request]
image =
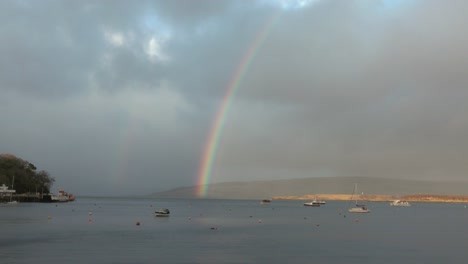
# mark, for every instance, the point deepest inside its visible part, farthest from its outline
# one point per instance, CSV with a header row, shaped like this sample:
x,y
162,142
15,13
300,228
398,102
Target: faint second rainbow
x,y
211,147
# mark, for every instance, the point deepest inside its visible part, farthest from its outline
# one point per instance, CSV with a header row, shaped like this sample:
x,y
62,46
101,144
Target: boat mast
x,y
12,184
355,192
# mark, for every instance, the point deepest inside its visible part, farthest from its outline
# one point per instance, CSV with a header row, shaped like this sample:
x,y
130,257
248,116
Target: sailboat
x,y
358,208
11,202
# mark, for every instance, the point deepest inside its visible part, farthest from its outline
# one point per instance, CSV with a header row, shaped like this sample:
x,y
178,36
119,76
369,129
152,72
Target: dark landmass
x,y
324,185
23,177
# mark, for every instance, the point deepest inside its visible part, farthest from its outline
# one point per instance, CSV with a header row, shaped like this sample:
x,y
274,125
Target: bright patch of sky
x,y
393,6
115,38
153,35
152,25
390,4
291,4
153,49
157,34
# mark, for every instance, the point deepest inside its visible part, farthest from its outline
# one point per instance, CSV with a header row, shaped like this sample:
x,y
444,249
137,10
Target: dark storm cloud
x,y
116,93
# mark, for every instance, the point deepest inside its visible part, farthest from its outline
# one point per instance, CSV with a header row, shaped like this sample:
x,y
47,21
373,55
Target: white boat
x,y
11,203
61,197
4,191
313,203
358,208
162,213
400,203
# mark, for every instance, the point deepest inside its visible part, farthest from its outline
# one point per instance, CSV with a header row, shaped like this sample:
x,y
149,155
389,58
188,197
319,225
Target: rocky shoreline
x,y
381,198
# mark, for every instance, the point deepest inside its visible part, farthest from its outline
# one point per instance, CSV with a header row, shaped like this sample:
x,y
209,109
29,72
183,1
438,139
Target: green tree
x,y
22,176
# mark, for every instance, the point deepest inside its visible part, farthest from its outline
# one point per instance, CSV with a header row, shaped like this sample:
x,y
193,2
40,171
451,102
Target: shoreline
x,y
429,198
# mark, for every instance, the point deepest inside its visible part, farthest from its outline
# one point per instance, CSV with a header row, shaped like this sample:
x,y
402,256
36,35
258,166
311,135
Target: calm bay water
x,y
244,232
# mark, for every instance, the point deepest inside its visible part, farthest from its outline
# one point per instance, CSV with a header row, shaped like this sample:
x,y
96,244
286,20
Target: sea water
x,y
105,230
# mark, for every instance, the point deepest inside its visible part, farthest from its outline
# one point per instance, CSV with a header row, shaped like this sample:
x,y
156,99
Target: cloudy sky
x,y
118,97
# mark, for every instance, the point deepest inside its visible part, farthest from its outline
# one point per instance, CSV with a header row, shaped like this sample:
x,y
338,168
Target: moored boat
x,y
5,192
162,213
11,203
313,203
400,203
359,208
61,197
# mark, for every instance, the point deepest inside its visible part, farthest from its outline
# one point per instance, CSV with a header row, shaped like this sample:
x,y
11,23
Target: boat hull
x,y
358,210
11,203
312,204
400,203
161,215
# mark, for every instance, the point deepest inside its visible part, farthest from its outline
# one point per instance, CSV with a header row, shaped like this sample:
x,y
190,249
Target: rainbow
x,y
211,147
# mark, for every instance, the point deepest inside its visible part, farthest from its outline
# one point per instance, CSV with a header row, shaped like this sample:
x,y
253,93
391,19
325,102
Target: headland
x,y
381,198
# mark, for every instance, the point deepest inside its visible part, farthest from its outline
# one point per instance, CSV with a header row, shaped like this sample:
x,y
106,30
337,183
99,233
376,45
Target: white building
x,y
4,191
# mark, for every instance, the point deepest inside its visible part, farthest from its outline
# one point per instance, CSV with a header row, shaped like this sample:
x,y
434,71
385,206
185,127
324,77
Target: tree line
x,y
23,176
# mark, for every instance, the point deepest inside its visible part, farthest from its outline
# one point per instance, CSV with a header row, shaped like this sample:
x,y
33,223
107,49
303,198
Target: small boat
x,y
265,201
11,203
314,203
359,208
61,197
400,203
5,191
162,213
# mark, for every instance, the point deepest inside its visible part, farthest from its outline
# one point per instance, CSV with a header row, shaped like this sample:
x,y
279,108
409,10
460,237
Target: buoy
x,y
90,213
137,223
260,221
49,217
318,224
356,220
190,218
90,220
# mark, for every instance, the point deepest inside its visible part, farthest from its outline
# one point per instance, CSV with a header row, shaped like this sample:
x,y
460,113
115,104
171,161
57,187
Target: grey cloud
x,y
336,88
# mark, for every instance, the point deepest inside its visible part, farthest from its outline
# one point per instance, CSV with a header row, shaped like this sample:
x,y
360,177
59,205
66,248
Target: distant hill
x,y
324,185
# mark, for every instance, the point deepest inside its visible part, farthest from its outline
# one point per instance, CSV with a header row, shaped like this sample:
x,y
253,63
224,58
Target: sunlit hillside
x,y
313,186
